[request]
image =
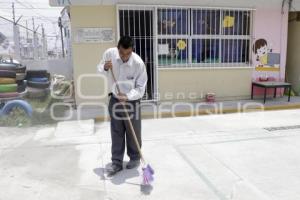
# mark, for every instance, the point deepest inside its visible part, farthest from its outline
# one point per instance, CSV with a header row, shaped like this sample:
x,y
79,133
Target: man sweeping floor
x,y
131,75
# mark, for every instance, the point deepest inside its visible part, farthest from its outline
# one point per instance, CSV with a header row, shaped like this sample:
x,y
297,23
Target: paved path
x,y
217,157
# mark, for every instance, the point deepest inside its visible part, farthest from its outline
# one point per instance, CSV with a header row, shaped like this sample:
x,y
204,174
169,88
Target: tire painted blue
x,y
17,103
36,79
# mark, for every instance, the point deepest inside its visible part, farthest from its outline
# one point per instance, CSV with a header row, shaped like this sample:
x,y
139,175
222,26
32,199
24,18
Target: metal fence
x,y
203,37
190,36
186,37
138,23
31,46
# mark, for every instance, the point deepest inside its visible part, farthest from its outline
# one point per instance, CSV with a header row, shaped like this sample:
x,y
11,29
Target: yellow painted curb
x,y
208,111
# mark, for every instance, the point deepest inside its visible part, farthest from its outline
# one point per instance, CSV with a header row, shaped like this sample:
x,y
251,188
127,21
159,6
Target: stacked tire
x,y
12,75
12,89
38,84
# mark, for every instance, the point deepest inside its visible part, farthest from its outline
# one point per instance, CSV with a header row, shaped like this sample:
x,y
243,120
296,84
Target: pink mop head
x,y
148,175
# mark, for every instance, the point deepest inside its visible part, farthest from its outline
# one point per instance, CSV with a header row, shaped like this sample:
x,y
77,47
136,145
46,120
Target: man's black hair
x,y
125,42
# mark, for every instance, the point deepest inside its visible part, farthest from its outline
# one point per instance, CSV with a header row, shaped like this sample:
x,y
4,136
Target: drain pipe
x,y
290,4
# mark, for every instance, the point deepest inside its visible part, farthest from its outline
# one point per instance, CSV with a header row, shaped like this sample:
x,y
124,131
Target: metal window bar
x,y
134,33
137,22
246,49
249,25
155,54
234,41
171,39
205,46
210,50
188,50
209,45
188,61
159,40
176,27
227,41
166,33
128,22
123,14
200,40
220,40
242,44
140,34
237,41
196,40
171,32
181,32
151,56
215,40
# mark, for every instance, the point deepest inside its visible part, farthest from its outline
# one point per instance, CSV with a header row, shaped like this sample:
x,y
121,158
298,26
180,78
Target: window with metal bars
x,y
203,37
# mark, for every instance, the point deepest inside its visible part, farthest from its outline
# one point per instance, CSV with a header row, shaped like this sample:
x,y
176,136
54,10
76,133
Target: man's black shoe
x,y
114,169
132,164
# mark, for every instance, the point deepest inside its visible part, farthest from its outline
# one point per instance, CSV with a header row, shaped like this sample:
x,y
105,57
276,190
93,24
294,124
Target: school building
x,y
190,48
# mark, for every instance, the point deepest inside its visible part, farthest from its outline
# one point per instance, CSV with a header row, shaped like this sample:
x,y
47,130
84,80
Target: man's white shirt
x,y
131,76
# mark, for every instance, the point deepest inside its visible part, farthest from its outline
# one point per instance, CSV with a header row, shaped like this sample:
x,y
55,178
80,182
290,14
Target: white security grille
x,y
183,37
138,23
191,37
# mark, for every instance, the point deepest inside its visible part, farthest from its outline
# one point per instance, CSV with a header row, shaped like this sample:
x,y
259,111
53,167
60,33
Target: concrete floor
x,y
167,109
253,156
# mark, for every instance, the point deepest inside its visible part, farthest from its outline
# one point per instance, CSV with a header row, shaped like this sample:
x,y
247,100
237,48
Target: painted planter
x,y
9,106
36,74
9,95
38,79
20,76
39,85
37,93
7,74
7,80
22,86
8,88
21,69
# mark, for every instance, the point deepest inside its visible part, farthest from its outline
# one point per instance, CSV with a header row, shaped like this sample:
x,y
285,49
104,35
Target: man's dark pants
x,y
120,131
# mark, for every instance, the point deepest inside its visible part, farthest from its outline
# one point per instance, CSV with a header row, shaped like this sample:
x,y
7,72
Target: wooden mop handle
x,y
115,80
128,120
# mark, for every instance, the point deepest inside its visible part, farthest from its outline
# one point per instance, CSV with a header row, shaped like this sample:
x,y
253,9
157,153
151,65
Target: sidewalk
x,y
152,110
236,156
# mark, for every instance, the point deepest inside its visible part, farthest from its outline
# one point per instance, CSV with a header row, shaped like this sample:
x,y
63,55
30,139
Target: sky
x,y
39,9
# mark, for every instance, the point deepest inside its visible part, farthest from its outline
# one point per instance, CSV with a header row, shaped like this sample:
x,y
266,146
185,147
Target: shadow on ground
x,y
122,177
